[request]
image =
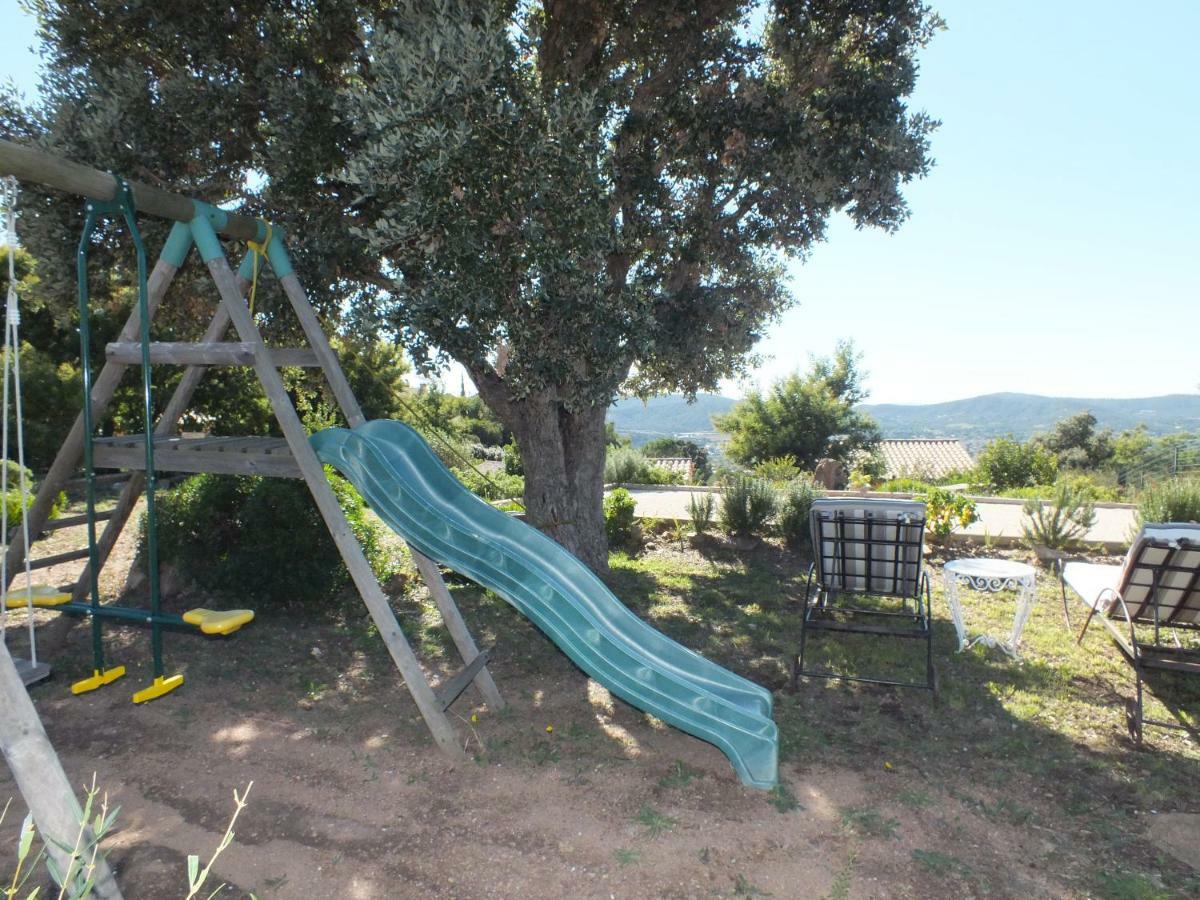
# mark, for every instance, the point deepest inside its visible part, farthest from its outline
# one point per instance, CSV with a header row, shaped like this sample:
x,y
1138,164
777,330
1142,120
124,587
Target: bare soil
x,y
574,793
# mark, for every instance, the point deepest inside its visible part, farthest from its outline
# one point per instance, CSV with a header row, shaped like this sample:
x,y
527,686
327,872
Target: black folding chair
x,y
867,548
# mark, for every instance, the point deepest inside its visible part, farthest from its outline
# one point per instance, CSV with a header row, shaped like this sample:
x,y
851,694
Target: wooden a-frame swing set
x,y
199,225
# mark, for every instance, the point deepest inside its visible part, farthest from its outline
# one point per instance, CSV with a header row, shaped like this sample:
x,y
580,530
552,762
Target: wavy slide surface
x,y
408,486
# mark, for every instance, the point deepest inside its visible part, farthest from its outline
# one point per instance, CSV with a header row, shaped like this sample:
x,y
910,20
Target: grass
x,y
1035,744
782,798
869,822
937,863
655,823
681,775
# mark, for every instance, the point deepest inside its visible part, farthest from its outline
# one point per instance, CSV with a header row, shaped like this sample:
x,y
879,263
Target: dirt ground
x,y
573,793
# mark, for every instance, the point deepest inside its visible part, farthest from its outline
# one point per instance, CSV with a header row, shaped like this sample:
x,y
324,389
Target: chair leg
x,y
1066,611
1091,612
798,660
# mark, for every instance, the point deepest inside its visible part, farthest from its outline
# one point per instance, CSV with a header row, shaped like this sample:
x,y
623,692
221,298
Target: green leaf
x,y
26,842
193,863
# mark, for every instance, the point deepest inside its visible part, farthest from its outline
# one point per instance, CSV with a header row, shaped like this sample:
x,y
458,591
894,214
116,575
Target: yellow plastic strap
x,y
259,250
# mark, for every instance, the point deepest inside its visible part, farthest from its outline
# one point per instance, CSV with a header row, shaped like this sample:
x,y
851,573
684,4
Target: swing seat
x,y
43,596
218,621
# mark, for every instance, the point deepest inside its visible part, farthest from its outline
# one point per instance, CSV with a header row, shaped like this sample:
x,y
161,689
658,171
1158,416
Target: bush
x,y
624,465
1005,463
1061,522
12,499
492,454
700,511
905,485
513,465
778,469
1177,500
490,486
945,510
620,523
747,506
794,510
262,539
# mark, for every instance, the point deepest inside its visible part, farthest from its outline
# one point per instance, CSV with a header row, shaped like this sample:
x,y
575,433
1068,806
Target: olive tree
x,y
572,197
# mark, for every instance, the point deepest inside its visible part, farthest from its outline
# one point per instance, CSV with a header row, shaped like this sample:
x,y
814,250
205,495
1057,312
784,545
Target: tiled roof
x,y
924,458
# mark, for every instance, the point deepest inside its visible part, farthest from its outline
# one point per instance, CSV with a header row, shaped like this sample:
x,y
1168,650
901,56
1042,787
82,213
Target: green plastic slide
x,y
408,486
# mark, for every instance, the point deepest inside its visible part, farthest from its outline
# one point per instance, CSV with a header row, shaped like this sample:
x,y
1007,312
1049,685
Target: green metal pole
x,y
85,340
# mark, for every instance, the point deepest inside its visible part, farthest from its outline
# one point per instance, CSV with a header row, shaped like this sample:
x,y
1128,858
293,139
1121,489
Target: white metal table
x,y
991,575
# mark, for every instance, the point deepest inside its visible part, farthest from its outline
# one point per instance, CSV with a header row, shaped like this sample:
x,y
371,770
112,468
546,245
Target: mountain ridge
x,y
974,420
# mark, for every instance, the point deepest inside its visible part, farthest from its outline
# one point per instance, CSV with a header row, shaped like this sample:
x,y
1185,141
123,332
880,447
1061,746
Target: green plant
x,y
626,856
946,510
1006,463
870,822
938,863
512,459
746,507
783,798
793,512
1061,522
492,486
700,511
654,822
12,499
680,775
1177,500
263,537
778,469
620,523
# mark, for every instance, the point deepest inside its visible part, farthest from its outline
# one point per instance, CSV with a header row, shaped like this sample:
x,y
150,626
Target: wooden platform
x,y
219,455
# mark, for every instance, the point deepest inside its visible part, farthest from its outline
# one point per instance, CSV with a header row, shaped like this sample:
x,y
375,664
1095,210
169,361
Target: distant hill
x,y
668,416
978,419
974,420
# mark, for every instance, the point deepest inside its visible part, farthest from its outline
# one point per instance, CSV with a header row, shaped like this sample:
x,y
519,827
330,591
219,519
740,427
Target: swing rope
x,y
12,360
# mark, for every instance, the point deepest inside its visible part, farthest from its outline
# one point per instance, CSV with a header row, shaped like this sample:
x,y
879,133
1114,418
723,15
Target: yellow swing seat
x,y
218,621
43,596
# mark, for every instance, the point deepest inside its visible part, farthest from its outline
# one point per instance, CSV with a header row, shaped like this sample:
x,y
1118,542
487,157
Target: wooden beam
x,y
40,777
266,456
314,475
459,633
38,167
215,353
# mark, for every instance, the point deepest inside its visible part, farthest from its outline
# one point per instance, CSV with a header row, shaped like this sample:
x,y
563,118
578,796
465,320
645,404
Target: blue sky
x,y
1054,247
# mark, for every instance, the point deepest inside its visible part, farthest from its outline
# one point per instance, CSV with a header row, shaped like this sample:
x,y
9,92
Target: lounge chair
x,y
1155,591
867,548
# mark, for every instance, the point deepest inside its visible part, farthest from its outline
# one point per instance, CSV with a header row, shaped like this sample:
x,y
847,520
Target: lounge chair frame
x,y
1143,656
892,565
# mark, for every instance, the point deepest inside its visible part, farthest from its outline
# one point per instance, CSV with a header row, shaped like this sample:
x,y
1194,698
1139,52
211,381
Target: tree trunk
x,y
563,455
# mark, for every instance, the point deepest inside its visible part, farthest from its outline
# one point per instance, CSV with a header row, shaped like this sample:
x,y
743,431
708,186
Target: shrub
x,y
778,469
492,454
905,485
624,465
700,511
747,506
620,523
513,465
1061,522
490,486
262,539
1005,463
12,499
945,510
1177,500
794,510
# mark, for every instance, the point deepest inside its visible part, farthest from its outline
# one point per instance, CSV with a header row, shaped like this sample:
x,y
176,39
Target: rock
x,y
831,474
1179,835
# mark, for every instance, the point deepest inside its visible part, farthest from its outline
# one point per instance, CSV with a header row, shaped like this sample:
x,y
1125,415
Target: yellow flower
x,y
888,766
549,729
474,718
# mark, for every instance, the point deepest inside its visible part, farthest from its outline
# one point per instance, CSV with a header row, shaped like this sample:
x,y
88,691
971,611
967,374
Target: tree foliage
x,y
1077,444
806,417
563,197
1006,463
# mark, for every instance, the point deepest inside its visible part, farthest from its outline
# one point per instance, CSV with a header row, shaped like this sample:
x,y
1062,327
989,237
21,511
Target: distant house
x,y
924,458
